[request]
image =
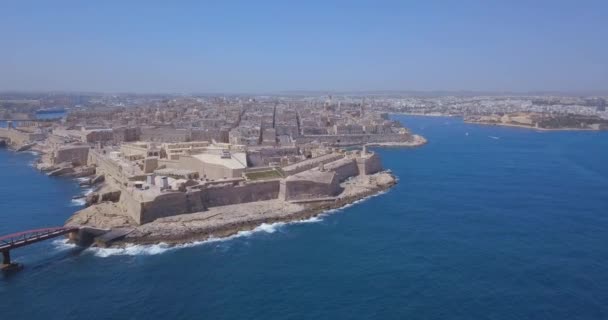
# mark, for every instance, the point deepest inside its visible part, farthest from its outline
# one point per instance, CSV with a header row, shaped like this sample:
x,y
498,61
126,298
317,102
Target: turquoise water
x,y
502,223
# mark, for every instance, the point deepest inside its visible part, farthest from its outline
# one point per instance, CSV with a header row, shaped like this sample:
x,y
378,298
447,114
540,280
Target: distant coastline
x,y
528,127
542,121
469,120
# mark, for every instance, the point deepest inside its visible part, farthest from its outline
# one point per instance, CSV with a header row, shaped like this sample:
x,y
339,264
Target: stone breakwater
x,y
224,221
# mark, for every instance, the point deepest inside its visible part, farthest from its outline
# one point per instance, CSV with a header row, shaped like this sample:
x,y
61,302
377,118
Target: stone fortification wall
x,y
301,189
369,164
131,206
173,164
194,200
353,139
107,167
311,163
134,150
165,205
19,138
77,155
170,204
221,195
265,156
344,168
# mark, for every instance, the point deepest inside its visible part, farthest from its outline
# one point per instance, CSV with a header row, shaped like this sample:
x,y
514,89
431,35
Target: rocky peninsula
x,y
541,121
187,170
226,220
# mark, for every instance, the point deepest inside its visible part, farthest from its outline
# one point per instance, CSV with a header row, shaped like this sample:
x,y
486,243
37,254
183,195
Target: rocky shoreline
x,y
416,141
225,221
216,222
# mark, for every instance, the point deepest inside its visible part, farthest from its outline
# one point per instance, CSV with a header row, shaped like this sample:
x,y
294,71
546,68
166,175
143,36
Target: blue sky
x,y
267,46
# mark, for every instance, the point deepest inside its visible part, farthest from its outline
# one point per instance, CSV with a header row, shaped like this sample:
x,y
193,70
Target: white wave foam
x,y
87,191
154,249
62,244
82,179
131,250
315,219
77,202
270,228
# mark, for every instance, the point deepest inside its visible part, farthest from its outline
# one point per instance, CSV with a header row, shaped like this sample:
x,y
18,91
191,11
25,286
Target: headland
x,y
191,169
541,121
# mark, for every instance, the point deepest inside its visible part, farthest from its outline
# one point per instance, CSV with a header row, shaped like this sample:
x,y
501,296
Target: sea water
x,y
485,223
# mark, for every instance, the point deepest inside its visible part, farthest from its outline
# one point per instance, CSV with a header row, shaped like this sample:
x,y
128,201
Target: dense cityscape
x,y
151,158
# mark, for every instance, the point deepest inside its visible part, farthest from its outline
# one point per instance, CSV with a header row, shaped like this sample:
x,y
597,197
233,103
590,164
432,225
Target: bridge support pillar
x,y
6,257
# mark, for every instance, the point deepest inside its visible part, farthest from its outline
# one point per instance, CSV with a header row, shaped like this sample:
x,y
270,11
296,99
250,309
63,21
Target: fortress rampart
x,y
19,138
221,195
353,139
314,178
344,168
311,163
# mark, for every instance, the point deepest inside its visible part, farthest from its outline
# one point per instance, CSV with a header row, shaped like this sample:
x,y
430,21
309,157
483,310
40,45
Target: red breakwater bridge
x,y
24,238
79,235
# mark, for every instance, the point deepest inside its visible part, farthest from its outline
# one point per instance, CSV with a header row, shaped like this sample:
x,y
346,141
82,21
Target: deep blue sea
x,y
485,223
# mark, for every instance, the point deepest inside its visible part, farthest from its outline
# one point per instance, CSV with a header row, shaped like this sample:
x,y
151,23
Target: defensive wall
x,y
170,203
344,168
18,138
311,182
369,164
226,194
311,163
353,139
107,167
77,155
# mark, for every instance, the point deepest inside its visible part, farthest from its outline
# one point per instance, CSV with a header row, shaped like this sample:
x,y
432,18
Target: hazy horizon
x,y
274,47
405,93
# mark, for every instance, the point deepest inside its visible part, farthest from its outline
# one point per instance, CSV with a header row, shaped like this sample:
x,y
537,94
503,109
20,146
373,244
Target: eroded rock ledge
x,y
224,221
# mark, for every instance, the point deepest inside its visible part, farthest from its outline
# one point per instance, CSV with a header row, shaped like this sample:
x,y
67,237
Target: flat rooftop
x,y
173,171
237,160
